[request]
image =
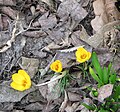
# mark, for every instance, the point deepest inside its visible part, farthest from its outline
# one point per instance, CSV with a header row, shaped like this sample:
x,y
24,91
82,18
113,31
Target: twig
x,y
64,103
58,77
5,66
70,49
9,42
25,29
44,71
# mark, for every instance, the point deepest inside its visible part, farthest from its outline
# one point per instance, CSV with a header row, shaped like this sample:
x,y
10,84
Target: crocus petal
x,y
57,61
60,67
52,66
17,86
82,50
18,78
77,53
25,75
28,85
81,60
89,55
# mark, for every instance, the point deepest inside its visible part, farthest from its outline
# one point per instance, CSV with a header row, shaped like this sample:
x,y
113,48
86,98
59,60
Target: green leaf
x,y
112,79
117,93
95,76
109,68
97,66
102,110
89,107
106,75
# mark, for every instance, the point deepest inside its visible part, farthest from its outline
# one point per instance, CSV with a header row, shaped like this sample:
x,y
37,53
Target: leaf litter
x,y
34,33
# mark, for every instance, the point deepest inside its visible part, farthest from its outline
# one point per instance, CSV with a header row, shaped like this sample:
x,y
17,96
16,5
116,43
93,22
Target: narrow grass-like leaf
x,y
109,68
112,78
117,93
102,110
95,76
89,107
105,75
97,66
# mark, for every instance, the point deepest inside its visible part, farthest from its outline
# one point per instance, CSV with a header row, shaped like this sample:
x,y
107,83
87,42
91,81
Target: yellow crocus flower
x,y
82,55
21,81
56,66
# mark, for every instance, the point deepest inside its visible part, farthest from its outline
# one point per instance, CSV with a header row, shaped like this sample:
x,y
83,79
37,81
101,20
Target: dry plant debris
x,y
46,39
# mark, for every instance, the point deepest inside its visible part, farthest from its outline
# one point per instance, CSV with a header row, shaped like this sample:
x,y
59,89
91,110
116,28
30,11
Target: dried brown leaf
x,y
1,23
72,108
99,7
10,12
44,89
99,22
101,18
53,89
35,34
97,38
111,10
74,96
105,12
46,21
3,39
7,2
82,108
34,106
14,110
104,92
49,2
73,8
30,65
8,94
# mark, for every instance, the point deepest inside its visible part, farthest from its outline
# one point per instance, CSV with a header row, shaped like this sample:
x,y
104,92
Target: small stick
x,y
56,78
47,67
